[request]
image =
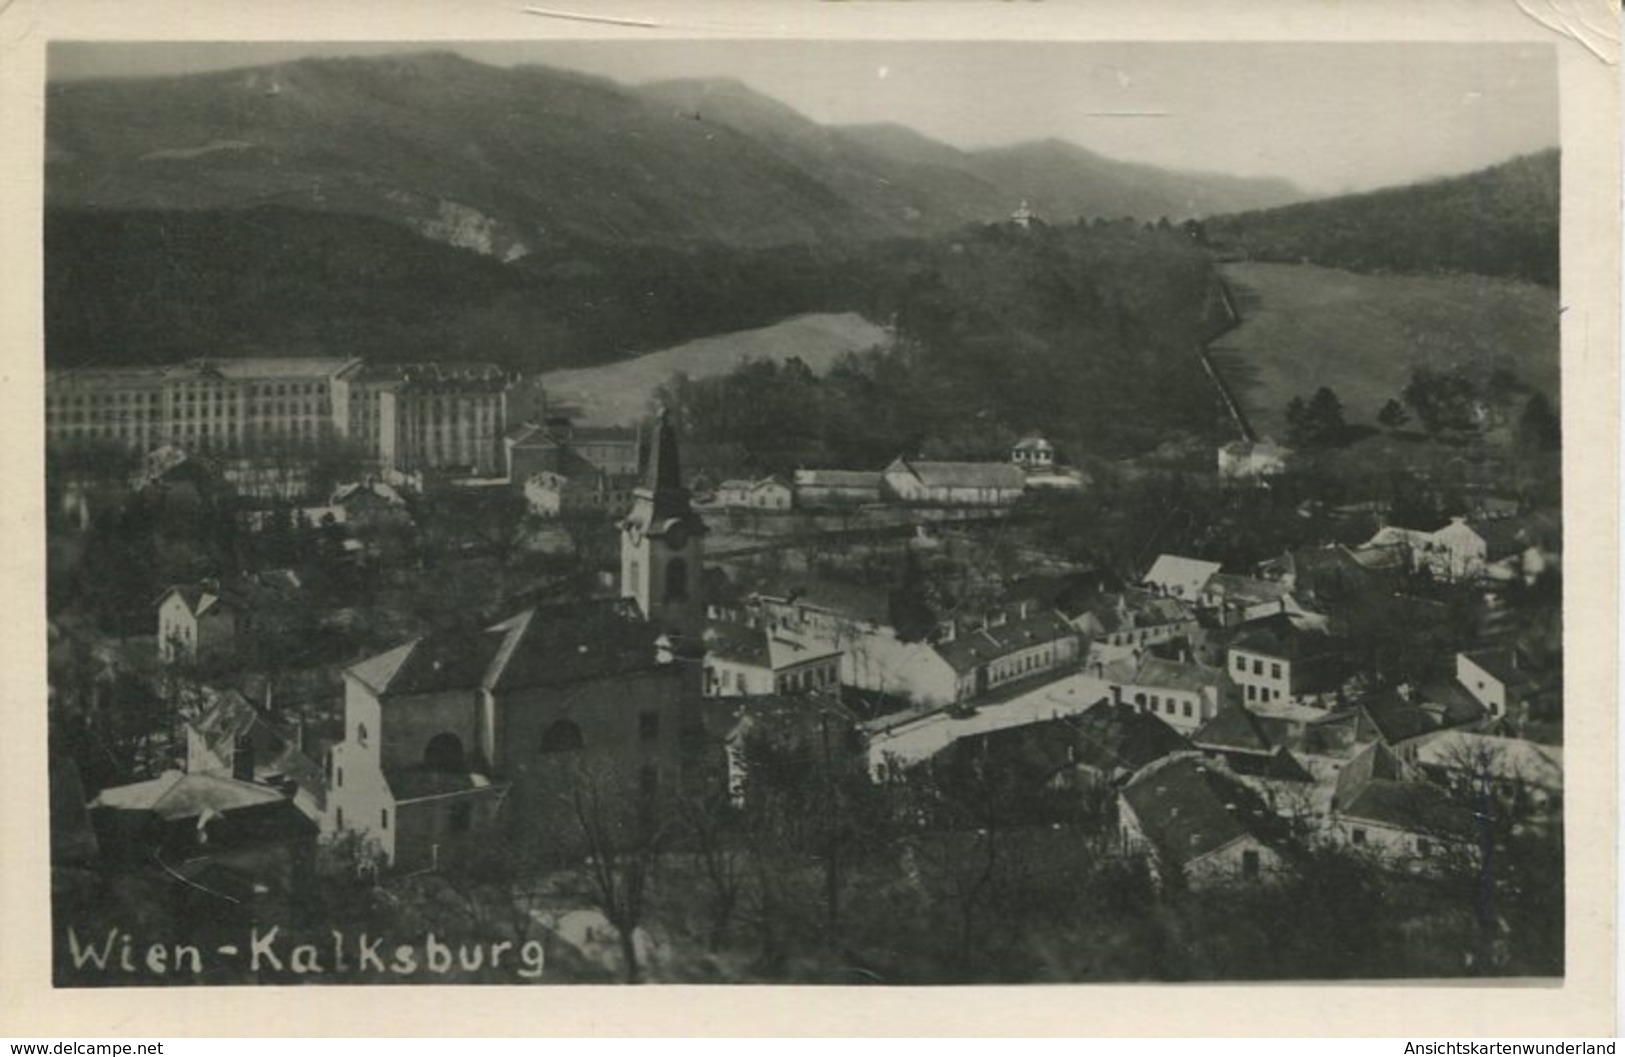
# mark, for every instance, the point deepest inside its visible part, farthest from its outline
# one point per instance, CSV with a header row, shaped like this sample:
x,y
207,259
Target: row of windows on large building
x,y
428,422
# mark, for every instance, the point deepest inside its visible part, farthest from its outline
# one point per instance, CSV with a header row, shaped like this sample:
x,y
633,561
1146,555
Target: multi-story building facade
x,y
419,416
215,406
426,415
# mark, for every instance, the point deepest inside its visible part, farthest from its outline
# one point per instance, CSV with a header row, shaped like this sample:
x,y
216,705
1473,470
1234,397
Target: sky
x,y
1328,117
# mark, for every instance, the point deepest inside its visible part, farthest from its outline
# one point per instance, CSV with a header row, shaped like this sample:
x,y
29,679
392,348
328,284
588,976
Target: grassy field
x,y
619,393
1306,326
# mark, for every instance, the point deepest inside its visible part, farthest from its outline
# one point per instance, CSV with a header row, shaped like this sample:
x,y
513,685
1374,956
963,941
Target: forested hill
x,y
1500,221
530,161
1082,332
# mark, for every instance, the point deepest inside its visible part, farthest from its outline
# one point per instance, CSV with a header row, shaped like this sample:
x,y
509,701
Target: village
x,y
654,646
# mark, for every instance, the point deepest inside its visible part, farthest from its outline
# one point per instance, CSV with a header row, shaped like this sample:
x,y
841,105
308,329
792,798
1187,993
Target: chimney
x,y
1024,605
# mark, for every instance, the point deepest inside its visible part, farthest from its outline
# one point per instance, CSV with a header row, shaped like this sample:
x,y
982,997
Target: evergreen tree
x,y
1393,414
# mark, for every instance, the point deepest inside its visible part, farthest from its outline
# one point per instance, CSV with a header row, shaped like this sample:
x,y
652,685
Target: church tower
x,y
662,545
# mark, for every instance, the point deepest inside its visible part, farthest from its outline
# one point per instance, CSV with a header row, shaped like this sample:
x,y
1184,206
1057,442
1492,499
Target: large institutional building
x,y
406,417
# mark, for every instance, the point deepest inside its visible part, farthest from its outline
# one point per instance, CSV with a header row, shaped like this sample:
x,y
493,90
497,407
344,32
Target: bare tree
x,y
708,822
621,836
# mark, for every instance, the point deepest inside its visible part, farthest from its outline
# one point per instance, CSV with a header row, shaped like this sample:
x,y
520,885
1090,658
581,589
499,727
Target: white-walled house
x,y
741,660
195,620
767,493
1248,460
1183,694
1284,657
1493,677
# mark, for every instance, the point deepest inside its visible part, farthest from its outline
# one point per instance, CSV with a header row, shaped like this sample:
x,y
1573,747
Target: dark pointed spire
x,y
664,473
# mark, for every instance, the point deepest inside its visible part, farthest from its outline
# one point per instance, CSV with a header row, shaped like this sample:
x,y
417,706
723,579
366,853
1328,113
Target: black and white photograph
x,y
643,510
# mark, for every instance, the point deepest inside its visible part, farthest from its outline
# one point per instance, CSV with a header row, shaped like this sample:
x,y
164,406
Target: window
x,y
1252,692
1258,667
677,580
383,818
649,726
562,736
1357,836
361,734
1187,710
1249,864
1424,848
1241,664
338,779
1275,671
444,753
338,815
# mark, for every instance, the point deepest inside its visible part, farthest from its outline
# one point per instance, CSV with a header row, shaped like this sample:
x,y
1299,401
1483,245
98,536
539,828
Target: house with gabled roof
x,y
1182,693
1384,808
745,660
1199,827
196,620
1284,657
1113,741
1523,777
1010,644
232,738
764,493
1242,742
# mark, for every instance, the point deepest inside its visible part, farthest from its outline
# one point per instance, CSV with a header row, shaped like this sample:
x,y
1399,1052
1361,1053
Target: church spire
x,y
664,472
663,477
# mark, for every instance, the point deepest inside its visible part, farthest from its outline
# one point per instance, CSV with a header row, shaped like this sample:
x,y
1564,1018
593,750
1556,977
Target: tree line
x,y
1501,221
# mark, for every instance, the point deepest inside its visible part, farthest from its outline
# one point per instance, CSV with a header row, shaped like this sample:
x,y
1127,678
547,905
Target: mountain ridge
x,y
521,160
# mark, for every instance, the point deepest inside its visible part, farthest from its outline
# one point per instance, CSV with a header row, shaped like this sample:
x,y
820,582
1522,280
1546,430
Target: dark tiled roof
x,y
1234,729
541,646
1118,737
968,475
970,650
1375,787
1398,718
1188,809
549,646
1033,752
1279,635
1159,672
452,660
738,643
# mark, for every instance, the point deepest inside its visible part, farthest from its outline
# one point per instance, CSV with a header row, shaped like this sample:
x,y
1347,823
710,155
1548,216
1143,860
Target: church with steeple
x,y
663,546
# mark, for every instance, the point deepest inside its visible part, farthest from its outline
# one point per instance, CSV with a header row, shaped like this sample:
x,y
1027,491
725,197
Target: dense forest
x,y
155,286
1500,221
1085,333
